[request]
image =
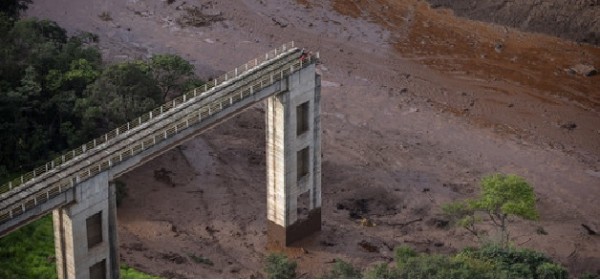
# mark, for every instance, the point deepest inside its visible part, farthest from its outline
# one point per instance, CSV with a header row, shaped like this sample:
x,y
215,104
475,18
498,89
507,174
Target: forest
x,y
56,92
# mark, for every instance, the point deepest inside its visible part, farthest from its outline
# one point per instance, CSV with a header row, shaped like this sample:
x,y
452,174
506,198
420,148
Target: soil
x,y
417,106
577,20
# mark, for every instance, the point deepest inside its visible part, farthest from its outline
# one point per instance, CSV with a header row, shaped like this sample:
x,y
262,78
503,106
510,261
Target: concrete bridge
x,y
78,187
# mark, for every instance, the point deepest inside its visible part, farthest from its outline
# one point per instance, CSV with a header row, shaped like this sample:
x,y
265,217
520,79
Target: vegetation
x,y
12,8
55,94
343,270
501,197
131,273
490,261
29,253
278,266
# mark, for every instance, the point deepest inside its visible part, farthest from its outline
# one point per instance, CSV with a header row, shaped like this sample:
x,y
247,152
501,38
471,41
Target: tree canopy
x,y
56,93
501,196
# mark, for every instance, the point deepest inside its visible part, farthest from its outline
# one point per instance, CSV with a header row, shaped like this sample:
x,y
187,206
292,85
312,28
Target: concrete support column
x,y
294,159
85,232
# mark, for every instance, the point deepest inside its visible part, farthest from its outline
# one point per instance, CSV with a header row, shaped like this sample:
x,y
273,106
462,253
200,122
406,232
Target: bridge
x,y
78,186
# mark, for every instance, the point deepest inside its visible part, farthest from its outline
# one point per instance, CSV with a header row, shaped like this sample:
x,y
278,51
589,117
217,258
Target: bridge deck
x,y
40,186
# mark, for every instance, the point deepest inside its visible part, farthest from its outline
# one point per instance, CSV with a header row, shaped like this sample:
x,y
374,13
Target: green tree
x,y
278,266
171,72
122,92
501,197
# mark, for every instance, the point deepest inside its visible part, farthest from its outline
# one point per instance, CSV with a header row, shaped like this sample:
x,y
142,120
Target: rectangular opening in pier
x,y
94,229
302,163
98,270
302,123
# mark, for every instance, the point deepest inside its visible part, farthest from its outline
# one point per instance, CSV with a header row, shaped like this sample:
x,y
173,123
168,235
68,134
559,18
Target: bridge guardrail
x,y
160,135
166,107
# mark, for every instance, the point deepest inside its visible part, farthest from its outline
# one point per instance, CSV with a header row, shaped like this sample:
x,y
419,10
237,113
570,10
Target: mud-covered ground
x,y
417,106
575,20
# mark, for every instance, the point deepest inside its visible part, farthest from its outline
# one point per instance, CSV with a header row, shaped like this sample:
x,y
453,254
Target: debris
x,y
439,223
368,246
174,257
196,17
365,222
589,230
405,223
326,243
569,126
583,69
499,47
280,21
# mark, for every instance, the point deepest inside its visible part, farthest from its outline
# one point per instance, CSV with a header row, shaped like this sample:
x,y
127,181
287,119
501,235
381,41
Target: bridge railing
x,y
135,123
155,137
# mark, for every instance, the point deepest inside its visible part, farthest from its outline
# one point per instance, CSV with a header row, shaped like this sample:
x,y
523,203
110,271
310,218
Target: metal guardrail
x,y
154,137
165,108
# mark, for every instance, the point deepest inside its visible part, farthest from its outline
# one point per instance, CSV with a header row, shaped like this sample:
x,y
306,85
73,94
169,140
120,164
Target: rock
x,y
589,230
499,47
583,69
569,126
368,246
280,21
438,222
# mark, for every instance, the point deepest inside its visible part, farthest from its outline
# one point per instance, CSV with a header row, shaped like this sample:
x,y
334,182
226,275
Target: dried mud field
x,y
417,106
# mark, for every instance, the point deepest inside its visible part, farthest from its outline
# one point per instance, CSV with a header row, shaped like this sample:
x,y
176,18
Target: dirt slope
x,y
417,105
575,20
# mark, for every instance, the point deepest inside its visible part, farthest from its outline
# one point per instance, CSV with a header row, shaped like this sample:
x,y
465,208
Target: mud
x,y
574,20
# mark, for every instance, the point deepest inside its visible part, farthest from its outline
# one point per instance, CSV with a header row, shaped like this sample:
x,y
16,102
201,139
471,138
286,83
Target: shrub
x,y
343,270
518,263
551,271
278,266
381,271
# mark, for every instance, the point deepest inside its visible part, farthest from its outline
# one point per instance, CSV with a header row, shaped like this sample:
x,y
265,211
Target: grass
x,y
131,273
29,253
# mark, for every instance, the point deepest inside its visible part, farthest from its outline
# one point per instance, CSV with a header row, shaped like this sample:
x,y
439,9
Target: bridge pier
x,y
85,234
294,159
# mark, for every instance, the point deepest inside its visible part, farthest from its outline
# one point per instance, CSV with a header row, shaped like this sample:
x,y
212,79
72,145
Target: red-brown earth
x,y
417,106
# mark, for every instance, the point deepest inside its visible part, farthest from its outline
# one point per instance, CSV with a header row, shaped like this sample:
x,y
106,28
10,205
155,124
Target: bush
x,y
343,270
518,263
381,271
551,271
278,266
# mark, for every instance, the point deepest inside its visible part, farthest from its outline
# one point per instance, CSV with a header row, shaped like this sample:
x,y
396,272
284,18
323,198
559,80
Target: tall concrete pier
x,y
294,159
76,187
85,234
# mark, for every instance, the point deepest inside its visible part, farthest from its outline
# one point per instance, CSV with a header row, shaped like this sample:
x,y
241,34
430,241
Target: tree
x,y
122,92
13,8
501,197
278,266
171,72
